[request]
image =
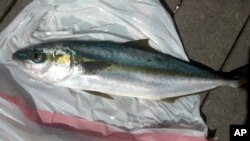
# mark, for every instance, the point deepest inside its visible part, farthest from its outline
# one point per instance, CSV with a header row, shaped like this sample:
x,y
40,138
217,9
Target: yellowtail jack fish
x,y
122,69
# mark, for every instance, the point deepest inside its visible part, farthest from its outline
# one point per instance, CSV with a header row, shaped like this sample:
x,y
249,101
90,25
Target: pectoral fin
x,y
92,67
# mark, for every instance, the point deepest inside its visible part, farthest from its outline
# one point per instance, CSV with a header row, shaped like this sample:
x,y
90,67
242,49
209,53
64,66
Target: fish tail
x,y
240,75
234,83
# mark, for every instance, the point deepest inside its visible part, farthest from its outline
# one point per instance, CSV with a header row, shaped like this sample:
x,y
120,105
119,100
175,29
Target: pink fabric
x,y
91,128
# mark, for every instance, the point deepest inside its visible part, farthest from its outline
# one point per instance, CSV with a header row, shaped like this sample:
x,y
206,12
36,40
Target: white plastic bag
x,y
34,110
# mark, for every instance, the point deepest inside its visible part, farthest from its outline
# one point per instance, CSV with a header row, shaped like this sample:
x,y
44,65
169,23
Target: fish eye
x,y
38,57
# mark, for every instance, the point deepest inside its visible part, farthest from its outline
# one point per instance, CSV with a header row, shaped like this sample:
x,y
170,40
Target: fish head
x,y
49,63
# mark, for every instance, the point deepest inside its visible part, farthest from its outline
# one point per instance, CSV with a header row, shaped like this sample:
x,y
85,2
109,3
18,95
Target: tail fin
x,y
241,75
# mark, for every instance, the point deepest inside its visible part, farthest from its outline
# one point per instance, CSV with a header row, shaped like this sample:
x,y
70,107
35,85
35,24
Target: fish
x,y
123,69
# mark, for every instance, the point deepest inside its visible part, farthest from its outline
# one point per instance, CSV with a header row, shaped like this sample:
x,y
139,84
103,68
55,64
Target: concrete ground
x,y
214,33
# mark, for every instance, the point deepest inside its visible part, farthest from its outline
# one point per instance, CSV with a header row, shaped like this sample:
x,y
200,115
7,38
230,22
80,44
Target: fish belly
x,y
145,84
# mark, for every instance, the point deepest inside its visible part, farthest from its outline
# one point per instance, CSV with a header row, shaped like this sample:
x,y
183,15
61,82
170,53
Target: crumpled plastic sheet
x,y
34,110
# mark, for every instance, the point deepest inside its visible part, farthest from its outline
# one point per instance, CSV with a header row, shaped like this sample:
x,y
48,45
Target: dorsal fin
x,y
142,43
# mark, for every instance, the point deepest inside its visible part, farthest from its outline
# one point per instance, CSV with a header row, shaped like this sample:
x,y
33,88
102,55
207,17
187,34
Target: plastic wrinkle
x,y
91,128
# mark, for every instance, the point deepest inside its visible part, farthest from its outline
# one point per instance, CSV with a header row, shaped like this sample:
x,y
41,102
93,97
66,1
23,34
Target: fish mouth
x,y
14,56
17,60
21,65
22,54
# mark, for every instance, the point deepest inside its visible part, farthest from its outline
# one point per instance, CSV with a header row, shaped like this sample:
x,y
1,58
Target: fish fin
x,y
239,77
92,67
103,95
142,43
240,74
171,99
